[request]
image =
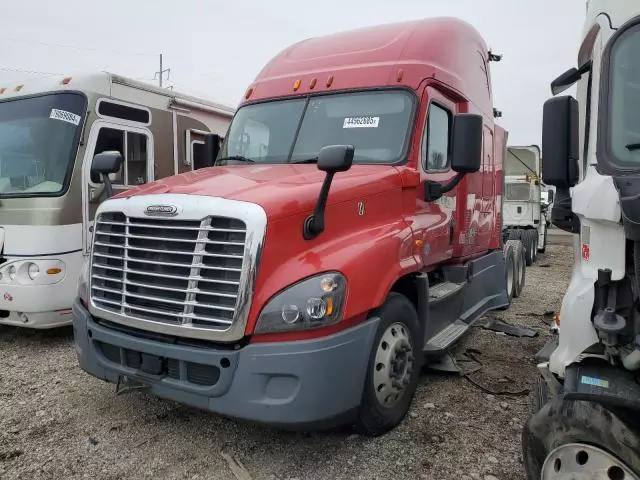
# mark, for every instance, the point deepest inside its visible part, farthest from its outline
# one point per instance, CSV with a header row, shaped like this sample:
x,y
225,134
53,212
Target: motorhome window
x,y
198,155
38,143
624,99
437,138
134,149
376,123
115,110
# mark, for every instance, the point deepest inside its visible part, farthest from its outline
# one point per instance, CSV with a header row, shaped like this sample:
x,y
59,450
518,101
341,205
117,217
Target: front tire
x,y
394,367
569,437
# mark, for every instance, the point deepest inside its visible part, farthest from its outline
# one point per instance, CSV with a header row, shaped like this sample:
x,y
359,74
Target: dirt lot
x,y
58,422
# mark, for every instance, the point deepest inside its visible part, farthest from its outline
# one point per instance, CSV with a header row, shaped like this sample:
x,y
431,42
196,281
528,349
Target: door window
x,y
437,134
133,147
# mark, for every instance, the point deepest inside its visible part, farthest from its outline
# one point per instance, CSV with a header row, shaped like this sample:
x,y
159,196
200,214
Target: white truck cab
x,y
588,420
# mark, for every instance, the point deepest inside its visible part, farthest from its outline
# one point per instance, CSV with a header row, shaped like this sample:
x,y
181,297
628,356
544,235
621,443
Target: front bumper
x,y
304,383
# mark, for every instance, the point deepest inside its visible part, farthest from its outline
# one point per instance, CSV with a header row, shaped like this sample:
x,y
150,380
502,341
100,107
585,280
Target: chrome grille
x,y
178,272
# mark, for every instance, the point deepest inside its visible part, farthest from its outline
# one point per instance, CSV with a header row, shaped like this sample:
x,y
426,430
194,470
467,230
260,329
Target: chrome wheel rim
x,y
578,461
393,365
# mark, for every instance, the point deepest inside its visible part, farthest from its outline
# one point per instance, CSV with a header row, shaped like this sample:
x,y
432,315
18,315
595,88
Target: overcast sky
x,y
215,48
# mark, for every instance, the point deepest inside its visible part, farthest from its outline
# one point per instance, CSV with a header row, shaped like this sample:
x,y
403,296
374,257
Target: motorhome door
x,y
136,146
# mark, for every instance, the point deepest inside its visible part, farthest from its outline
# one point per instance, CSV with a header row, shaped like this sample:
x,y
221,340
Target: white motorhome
x,y
587,423
523,212
50,130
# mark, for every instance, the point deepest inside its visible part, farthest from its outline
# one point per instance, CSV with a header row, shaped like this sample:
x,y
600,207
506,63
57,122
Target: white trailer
x,y
50,130
587,419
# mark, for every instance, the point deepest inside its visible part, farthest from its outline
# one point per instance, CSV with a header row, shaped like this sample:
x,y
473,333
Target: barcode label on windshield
x,y
361,122
65,116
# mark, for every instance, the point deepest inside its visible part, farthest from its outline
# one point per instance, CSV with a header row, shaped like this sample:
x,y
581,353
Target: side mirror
x,y
336,158
466,152
211,148
560,141
104,164
331,159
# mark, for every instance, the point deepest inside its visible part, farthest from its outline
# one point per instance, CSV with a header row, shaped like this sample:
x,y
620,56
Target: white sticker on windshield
x,y
361,122
65,116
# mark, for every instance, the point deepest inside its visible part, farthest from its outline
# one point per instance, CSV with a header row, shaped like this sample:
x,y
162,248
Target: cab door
x,y
136,146
436,221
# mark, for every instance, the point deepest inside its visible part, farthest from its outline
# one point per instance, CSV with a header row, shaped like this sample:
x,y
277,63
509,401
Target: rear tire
x,y
570,422
527,240
509,252
394,367
542,248
521,269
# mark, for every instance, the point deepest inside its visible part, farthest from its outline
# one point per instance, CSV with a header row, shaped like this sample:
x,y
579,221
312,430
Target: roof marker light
x,y
313,83
329,81
2,90
248,94
19,87
399,75
66,81
296,85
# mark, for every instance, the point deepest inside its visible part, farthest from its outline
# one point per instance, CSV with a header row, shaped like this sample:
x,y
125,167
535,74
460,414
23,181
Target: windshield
x,y
624,99
38,139
520,161
288,131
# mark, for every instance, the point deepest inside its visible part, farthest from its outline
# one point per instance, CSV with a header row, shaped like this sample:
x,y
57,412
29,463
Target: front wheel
x,y
394,367
570,439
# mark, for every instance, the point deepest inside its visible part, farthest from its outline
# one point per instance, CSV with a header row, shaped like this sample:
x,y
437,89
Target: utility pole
x,y
161,72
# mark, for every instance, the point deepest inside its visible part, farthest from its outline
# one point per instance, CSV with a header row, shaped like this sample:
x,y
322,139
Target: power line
x,y
74,47
32,72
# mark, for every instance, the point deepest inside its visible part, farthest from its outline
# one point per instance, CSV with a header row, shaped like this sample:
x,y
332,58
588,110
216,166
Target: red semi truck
x,y
350,230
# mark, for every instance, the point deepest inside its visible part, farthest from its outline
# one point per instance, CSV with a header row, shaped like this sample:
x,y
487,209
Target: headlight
x,y
12,272
314,302
83,283
33,270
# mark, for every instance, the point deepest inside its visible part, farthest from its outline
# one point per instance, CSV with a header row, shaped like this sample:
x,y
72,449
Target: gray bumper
x,y
288,383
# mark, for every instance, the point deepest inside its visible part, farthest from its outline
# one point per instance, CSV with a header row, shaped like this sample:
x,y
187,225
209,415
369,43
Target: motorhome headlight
x,y
33,270
314,302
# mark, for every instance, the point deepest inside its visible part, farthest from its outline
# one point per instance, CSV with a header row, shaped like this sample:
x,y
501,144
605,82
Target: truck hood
x,y
281,189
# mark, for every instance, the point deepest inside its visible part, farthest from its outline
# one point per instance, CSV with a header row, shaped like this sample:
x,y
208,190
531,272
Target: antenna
x,y
159,74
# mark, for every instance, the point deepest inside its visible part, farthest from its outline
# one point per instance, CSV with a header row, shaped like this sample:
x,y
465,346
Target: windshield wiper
x,y
307,160
633,146
238,158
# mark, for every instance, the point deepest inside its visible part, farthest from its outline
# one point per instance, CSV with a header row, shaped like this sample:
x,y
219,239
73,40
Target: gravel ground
x,y
58,422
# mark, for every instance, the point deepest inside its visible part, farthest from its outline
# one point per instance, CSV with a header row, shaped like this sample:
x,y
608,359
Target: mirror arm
x,y
107,184
314,224
435,190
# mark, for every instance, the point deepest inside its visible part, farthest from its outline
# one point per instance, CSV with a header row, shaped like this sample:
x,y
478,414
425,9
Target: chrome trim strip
x,y
197,208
